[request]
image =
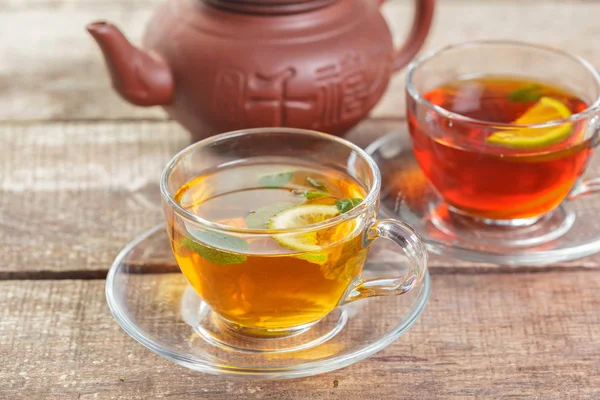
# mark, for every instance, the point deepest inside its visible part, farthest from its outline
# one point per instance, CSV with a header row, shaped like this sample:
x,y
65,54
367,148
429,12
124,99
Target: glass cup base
x,y
153,303
257,333
569,232
220,333
516,233
515,222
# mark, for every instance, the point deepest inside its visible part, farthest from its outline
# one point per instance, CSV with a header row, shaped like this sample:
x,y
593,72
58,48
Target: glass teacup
x,y
502,130
272,226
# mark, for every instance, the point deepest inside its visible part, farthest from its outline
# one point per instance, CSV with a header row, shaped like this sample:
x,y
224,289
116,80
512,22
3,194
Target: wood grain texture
x,y
56,73
73,194
59,341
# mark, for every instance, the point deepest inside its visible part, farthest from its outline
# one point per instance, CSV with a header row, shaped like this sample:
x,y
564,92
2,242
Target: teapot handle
x,y
418,33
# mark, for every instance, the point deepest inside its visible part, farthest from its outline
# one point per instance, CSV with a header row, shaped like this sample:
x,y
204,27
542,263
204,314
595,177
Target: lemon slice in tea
x,y
545,110
298,217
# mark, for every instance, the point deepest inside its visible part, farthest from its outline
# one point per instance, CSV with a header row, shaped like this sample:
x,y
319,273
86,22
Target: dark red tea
x,y
500,172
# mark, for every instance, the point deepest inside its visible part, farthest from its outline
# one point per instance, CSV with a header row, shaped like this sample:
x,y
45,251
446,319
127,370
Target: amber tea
x,y
508,172
266,281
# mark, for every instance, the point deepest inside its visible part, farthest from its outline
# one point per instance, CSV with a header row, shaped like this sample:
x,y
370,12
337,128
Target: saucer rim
x,y
516,258
297,371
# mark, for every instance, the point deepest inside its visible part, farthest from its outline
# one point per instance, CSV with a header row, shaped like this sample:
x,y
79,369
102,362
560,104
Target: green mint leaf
x,y
213,255
275,180
526,94
217,248
314,194
346,205
315,183
259,219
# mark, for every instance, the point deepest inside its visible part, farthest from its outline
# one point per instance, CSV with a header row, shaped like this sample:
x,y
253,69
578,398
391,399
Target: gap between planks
x,y
133,120
167,268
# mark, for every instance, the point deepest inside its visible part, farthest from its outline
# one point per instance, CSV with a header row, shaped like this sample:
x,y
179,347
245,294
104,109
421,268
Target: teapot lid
x,y
270,6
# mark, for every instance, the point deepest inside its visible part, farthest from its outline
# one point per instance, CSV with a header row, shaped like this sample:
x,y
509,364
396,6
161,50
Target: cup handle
x,y
585,188
418,33
413,248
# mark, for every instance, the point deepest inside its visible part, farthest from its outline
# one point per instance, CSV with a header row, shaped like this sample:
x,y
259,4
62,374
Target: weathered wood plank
x,y
73,194
59,75
70,193
19,5
58,341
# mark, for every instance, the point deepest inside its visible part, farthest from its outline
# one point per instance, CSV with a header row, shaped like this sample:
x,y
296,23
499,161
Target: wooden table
x,y
78,180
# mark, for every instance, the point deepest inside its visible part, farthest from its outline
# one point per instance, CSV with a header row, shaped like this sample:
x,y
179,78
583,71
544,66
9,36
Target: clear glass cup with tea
x,y
502,130
272,227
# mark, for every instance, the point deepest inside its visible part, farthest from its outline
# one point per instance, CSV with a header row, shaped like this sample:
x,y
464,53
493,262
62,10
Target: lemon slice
x,y
545,110
298,217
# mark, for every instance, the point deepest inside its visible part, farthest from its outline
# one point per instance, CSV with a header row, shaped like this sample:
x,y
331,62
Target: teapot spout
x,y
139,77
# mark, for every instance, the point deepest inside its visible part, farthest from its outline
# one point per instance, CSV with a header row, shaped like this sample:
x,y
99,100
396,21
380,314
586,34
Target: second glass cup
x,y
503,130
272,227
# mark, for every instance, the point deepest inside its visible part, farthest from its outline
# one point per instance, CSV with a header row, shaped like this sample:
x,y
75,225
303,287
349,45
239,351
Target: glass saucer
x,y
153,303
570,232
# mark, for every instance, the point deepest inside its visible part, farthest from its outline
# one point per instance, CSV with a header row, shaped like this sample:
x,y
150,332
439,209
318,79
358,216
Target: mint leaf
x,y
314,194
275,180
346,205
259,219
217,248
526,94
315,183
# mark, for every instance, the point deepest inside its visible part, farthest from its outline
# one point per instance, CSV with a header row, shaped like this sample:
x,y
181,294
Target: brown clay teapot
x,y
222,65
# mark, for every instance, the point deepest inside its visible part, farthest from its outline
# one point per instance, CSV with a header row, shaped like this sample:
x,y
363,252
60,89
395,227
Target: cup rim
x,y
417,96
364,205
